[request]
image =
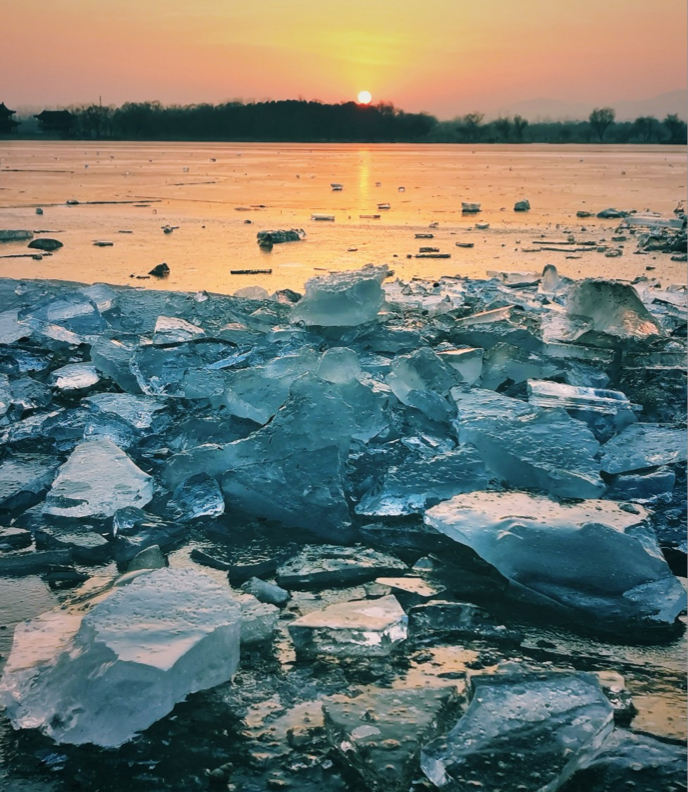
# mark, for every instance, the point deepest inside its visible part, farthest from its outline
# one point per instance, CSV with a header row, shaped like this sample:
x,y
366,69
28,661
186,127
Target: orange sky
x,y
444,56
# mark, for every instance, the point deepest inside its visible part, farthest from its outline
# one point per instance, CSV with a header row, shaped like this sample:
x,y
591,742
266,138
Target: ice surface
x,y
460,620
339,365
467,362
72,318
11,329
595,561
322,566
132,657
139,412
521,731
380,733
643,445
112,357
75,376
508,362
96,481
342,299
361,628
612,308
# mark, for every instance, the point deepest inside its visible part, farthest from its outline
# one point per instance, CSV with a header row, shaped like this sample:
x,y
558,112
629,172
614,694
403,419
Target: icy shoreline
x,y
449,423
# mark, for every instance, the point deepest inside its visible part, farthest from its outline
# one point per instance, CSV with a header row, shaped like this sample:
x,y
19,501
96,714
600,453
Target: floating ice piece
x,y
11,235
342,299
644,445
103,677
361,628
323,566
380,733
522,206
266,239
470,208
252,293
75,376
522,731
594,561
96,481
170,329
23,480
612,308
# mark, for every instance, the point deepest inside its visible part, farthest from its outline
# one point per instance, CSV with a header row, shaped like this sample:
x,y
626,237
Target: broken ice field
x,y
385,503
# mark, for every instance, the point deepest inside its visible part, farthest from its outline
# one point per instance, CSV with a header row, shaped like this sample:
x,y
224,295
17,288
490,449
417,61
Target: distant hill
x,y
555,110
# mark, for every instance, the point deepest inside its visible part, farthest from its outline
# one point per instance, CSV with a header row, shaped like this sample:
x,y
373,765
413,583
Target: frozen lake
x,y
211,190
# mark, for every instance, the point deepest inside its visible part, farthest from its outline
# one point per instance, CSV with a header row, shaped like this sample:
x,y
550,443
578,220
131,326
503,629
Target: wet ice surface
x,y
200,187
232,434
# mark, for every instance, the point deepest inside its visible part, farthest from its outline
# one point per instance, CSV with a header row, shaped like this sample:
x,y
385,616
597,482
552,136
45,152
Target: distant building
x,y
7,124
57,122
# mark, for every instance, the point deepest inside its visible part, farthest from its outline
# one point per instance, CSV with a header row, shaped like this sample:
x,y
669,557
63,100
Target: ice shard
x,y
103,677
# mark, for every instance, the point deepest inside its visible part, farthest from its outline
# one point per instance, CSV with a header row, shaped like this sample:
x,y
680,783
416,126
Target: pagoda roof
x,y
5,110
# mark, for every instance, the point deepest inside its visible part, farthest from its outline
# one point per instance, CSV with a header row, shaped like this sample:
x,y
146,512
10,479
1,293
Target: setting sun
x,y
365,97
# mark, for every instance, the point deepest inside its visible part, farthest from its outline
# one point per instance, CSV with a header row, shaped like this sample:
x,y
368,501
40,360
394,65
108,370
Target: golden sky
x,y
444,56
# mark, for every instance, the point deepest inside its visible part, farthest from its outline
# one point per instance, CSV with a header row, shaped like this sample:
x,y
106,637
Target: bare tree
x,y
600,120
470,125
520,125
503,127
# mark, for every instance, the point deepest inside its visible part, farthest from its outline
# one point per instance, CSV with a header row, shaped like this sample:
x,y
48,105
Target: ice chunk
x,y
547,450
420,483
380,733
75,376
606,412
458,620
361,628
467,362
423,380
112,357
96,480
87,547
612,308
258,619
11,329
102,679
185,370
170,329
266,592
323,566
522,731
507,362
595,561
23,481
342,299
339,365
198,496
139,412
644,445
134,530
73,318
642,486
637,761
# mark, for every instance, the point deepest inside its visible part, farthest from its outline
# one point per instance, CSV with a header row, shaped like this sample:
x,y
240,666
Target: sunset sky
x,y
444,56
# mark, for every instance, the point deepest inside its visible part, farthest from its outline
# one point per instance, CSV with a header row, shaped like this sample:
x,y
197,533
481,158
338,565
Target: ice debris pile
x,y
442,449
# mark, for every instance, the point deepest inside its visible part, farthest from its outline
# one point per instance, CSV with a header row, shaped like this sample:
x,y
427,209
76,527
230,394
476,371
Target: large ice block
x,y
644,445
103,677
342,299
423,380
361,628
594,561
321,566
525,731
96,480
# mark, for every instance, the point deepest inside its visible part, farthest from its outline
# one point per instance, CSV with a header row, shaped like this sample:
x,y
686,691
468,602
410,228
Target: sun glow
x,y
365,97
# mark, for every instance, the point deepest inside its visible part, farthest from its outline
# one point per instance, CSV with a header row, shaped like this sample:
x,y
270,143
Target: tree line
x,y
349,122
